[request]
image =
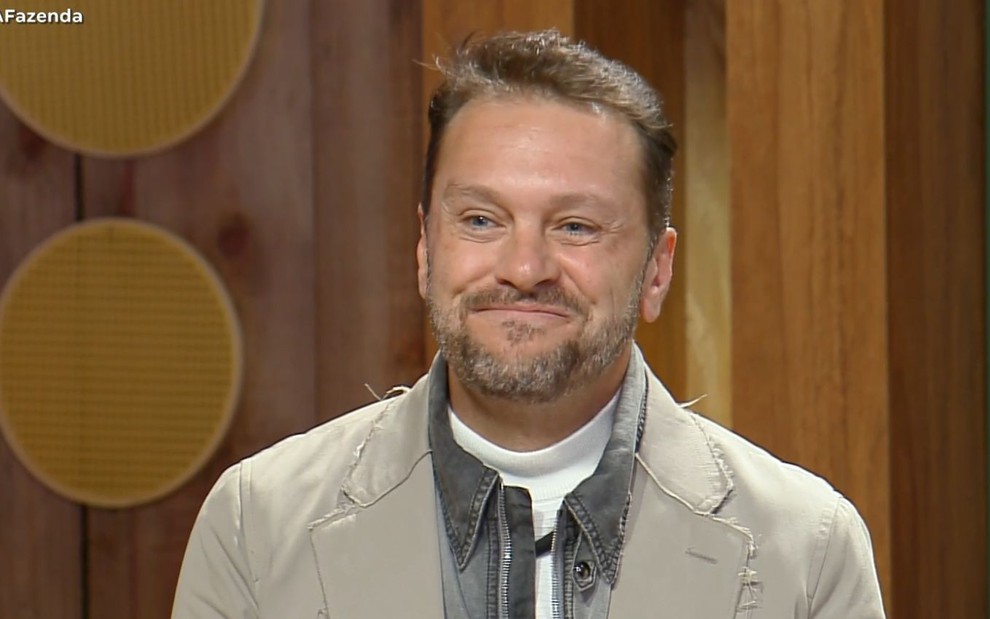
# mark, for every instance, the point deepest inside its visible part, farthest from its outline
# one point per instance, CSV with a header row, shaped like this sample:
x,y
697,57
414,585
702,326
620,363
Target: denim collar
x,y
599,504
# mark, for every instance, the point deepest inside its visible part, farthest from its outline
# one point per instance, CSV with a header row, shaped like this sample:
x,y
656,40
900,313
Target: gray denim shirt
x,y
488,564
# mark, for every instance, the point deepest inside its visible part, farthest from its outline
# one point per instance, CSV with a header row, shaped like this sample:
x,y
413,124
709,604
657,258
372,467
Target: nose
x,y
526,260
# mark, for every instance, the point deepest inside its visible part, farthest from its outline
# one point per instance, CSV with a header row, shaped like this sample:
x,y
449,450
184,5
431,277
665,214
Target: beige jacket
x,y
341,523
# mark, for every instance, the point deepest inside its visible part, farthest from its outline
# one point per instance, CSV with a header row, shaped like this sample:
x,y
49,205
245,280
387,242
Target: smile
x,y
523,312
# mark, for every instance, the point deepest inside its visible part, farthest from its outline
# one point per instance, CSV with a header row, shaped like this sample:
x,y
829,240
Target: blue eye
x,y
574,227
479,221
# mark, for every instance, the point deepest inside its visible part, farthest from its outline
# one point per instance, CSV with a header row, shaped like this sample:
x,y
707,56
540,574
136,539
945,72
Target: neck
x,y
524,426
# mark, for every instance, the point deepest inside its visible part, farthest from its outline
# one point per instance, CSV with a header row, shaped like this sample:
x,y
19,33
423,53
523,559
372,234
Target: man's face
x,y
533,261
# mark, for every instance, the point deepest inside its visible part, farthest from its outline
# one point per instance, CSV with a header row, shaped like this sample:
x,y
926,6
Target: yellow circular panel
x,y
120,362
133,77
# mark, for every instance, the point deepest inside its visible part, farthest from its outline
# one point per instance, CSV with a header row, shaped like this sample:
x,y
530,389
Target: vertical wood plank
x,y
529,15
809,303
649,37
41,555
366,127
446,23
935,167
706,230
241,193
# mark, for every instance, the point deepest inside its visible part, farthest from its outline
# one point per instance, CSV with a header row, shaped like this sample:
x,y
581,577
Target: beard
x,y
534,378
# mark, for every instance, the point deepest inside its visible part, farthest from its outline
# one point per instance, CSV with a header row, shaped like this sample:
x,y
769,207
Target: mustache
x,y
553,297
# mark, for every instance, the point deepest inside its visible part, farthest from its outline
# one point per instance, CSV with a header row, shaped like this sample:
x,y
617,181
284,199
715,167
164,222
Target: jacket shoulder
x,y
297,480
754,469
803,528
317,458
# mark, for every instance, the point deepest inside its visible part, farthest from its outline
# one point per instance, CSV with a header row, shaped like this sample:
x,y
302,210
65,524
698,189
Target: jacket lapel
x,y
676,564
377,552
680,558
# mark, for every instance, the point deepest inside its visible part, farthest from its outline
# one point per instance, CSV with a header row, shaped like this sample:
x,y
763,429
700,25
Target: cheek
x,y
592,275
602,281
456,265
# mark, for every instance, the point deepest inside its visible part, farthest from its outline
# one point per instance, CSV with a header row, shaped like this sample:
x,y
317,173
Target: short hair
x,y
548,64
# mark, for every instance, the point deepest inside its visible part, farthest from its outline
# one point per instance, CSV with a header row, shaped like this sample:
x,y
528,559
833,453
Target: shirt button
x,y
584,573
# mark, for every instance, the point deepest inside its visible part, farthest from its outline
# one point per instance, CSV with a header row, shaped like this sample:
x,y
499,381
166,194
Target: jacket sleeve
x,y
216,580
847,586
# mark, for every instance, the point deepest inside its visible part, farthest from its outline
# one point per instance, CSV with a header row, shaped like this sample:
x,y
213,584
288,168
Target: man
x,y
540,468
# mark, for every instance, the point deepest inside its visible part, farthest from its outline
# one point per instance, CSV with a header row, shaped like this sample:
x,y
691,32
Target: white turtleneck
x,y
548,474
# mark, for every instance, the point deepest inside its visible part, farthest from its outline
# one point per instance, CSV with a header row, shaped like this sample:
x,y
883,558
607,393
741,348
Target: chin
x,y
508,344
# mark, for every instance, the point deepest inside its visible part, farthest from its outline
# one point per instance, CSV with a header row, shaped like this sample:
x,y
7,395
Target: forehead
x,y
534,142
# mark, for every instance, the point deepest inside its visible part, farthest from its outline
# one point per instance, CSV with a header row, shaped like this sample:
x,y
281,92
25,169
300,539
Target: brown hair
x,y
548,64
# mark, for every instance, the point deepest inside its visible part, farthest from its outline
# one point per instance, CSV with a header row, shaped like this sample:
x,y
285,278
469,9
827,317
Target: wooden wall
x,y
242,192
809,297
856,139
936,296
41,551
288,194
833,314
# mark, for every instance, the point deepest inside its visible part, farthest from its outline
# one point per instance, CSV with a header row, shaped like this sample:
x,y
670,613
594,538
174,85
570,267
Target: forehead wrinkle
x,y
488,196
477,193
577,199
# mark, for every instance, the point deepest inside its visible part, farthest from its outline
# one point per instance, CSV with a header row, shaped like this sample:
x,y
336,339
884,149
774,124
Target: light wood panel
x,y
649,37
706,230
937,291
448,22
366,127
241,193
41,560
809,299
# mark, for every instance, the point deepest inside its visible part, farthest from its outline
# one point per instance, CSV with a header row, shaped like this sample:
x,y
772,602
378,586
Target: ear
x,y
421,259
659,271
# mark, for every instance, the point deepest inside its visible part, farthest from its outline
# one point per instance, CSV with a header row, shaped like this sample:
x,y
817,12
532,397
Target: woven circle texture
x,y
134,77
120,362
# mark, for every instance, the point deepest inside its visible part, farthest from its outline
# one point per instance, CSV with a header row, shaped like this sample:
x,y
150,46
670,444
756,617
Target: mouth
x,y
524,311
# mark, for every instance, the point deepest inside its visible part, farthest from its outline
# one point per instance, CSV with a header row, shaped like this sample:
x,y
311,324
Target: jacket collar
x,y
464,483
396,442
679,456
674,449
599,503
390,480
671,447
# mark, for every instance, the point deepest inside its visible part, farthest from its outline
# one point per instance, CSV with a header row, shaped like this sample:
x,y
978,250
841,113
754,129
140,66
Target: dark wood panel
x,y
241,192
41,559
366,127
649,37
809,339
935,195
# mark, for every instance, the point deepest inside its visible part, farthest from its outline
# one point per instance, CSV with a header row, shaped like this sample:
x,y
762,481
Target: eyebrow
x,y
471,192
489,196
582,199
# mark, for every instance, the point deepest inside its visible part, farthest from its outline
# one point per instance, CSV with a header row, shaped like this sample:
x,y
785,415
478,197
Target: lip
x,y
533,310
